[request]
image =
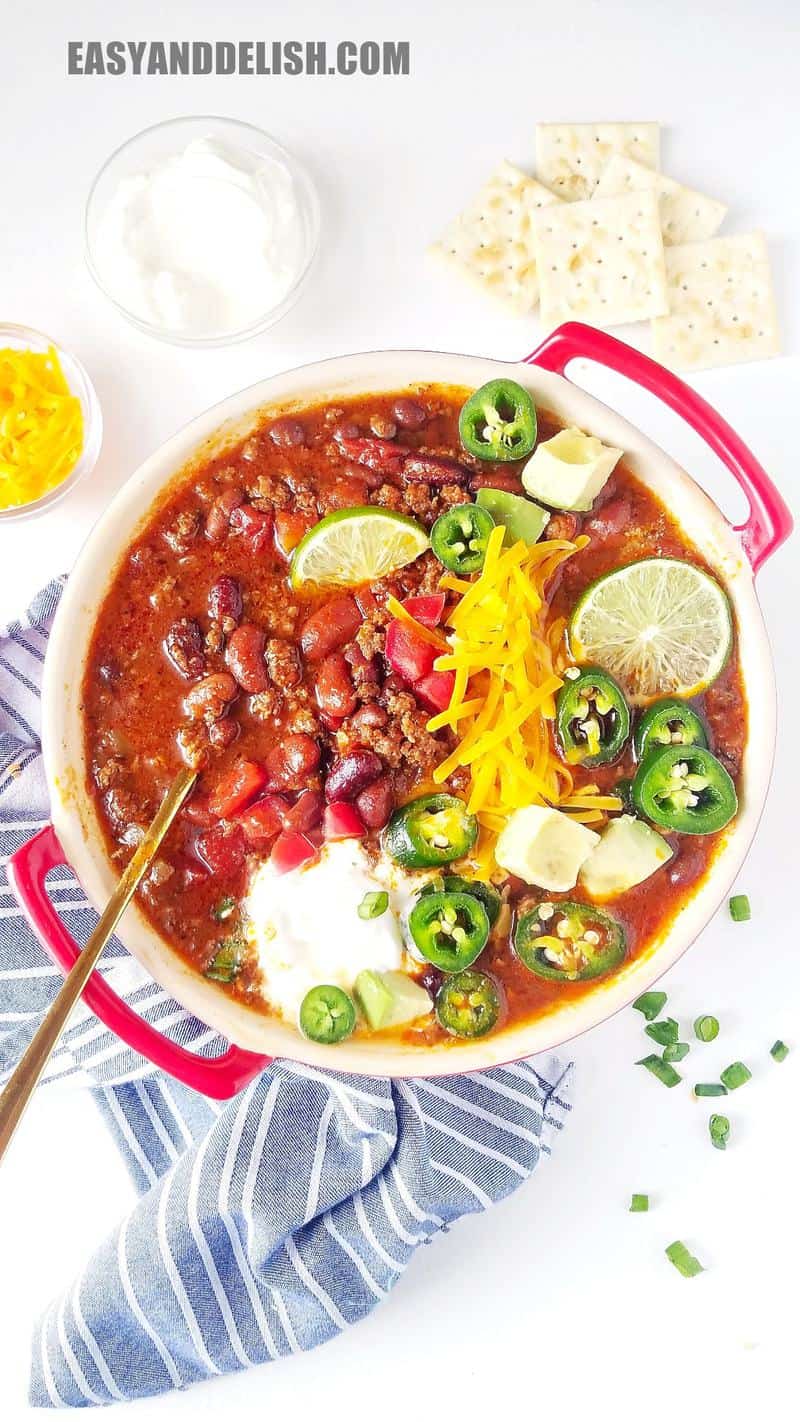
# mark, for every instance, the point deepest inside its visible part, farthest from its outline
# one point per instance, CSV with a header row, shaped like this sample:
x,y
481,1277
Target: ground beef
x,y
371,637
269,491
266,705
283,663
181,534
112,771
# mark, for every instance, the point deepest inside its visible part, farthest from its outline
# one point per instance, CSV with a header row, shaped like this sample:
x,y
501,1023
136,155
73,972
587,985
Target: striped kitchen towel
x,y
264,1226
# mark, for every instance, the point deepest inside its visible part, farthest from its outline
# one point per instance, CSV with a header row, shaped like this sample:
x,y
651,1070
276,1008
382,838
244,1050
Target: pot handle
x,y
219,1077
769,522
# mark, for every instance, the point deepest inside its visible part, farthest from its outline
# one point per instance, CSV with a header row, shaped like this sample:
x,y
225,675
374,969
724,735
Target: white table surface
x,y
559,1300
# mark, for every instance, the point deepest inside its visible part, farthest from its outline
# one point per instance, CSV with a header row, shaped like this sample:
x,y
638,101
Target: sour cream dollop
x,y
305,926
204,242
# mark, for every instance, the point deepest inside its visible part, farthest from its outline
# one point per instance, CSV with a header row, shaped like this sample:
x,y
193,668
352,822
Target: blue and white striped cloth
x,y
265,1226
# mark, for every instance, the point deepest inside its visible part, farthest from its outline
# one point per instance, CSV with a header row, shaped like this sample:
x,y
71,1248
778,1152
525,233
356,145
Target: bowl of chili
x,y
484,1014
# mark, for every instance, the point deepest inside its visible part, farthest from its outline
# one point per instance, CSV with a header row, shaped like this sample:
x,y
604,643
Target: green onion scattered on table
x,y
639,1205
664,1032
706,1028
739,907
735,1075
684,1262
675,1051
661,1069
719,1129
650,1004
374,904
779,1051
710,1088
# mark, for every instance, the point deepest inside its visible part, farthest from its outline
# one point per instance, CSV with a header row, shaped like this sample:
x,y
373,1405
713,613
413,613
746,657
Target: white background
x,y
558,1301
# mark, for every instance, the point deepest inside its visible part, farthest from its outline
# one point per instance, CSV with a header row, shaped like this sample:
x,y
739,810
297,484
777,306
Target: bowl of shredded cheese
x,y
51,427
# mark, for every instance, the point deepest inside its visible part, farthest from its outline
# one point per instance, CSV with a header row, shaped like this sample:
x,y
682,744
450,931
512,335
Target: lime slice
x,y
355,546
660,626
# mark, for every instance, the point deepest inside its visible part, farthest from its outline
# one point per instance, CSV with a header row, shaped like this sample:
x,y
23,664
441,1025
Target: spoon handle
x,y
26,1074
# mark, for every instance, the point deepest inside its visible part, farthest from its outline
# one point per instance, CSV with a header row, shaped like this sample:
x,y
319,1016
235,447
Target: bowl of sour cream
x,y
202,231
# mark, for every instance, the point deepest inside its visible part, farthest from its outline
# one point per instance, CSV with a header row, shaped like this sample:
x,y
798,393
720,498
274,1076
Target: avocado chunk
x,y
569,470
544,847
521,518
629,852
390,999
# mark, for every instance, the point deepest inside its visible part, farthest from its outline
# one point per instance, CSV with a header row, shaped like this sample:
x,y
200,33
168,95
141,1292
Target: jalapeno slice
x,y
668,723
459,537
449,930
568,941
467,1004
429,831
327,1014
498,422
684,788
593,720
479,889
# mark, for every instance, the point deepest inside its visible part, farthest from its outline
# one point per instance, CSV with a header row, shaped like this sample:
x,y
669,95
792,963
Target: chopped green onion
x,y
719,1128
739,907
373,905
706,1028
710,1088
735,1075
223,910
227,961
664,1032
639,1205
684,1262
661,1069
675,1051
779,1051
650,1004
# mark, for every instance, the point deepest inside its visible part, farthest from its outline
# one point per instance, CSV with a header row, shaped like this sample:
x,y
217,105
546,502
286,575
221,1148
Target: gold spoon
x,y
22,1083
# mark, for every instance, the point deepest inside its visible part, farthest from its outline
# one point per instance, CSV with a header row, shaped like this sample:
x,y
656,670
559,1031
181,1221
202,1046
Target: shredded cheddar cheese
x,y
41,426
507,656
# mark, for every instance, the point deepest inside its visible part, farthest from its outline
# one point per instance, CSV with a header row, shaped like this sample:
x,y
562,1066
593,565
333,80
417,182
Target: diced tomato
x,y
222,849
291,525
236,790
435,689
263,820
198,811
255,525
406,652
342,821
366,600
290,850
428,609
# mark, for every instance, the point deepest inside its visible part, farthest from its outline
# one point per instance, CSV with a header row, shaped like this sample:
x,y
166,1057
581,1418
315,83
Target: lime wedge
x,y
355,546
660,626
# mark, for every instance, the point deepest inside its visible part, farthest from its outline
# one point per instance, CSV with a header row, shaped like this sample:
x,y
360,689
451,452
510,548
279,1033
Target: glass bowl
x,y
166,140
26,339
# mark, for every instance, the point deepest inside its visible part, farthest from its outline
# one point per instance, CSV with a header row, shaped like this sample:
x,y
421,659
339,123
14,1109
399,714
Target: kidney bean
x,y
291,525
334,686
219,515
210,698
225,599
409,413
185,648
611,519
223,733
376,802
255,526
499,480
244,655
330,627
290,764
345,429
198,810
370,717
382,427
435,469
380,455
352,773
287,433
305,813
